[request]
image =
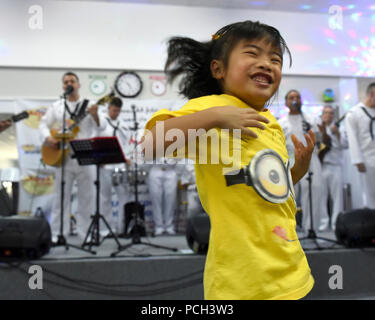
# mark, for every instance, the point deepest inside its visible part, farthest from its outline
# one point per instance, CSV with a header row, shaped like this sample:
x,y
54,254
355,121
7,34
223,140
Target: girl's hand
x,y
239,118
302,155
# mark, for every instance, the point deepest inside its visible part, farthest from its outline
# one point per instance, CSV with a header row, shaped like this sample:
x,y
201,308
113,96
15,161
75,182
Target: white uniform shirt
x,y
334,155
117,128
361,146
53,118
292,124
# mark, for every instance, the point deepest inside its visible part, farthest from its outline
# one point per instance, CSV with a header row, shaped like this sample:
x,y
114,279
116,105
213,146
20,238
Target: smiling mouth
x,y
262,78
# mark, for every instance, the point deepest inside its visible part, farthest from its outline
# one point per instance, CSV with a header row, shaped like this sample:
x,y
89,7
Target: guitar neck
x,y
18,117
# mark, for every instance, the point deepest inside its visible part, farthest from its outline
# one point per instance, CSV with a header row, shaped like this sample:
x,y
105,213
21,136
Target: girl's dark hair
x,y
191,59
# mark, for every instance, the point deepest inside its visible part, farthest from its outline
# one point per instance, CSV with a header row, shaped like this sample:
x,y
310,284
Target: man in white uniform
x,y
331,159
360,126
116,127
162,186
298,123
84,175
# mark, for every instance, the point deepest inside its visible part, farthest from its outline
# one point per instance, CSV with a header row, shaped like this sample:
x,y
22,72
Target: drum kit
x,y
126,175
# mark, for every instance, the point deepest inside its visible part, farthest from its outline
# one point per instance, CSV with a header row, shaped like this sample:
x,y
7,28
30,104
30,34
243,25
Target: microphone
x,y
337,123
295,105
306,126
68,90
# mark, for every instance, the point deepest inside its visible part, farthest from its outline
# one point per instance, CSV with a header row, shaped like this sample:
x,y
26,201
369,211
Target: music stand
x,y
97,151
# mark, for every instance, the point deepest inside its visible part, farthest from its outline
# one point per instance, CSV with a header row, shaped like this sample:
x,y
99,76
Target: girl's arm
x,y
217,117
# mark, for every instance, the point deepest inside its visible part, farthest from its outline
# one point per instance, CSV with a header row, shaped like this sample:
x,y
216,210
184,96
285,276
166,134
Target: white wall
x,y
42,83
78,34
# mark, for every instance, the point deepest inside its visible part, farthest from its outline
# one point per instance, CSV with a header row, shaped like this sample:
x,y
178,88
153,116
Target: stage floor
x,y
143,272
108,246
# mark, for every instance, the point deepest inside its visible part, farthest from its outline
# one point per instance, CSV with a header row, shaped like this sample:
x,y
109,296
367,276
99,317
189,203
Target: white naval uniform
x,y
362,147
84,175
194,205
293,124
114,128
332,176
162,186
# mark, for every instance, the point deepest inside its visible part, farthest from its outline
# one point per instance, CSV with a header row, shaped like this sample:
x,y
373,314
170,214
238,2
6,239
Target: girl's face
x,y
253,73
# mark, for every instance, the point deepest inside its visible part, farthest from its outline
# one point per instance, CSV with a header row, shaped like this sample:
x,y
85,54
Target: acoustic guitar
x,y
54,156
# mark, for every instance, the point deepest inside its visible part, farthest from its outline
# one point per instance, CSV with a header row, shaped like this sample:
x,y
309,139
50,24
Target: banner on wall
x,y
36,179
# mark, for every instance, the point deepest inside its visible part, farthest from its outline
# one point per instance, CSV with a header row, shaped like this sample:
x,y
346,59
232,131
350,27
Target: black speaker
x,y
131,209
24,237
5,203
198,232
356,228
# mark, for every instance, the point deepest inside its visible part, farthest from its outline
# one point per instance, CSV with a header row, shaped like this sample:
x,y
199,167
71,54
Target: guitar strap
x,y
79,110
82,109
115,128
372,119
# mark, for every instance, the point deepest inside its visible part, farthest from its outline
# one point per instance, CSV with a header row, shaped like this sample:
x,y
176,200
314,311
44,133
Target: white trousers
x,y
84,175
116,223
162,186
368,179
333,185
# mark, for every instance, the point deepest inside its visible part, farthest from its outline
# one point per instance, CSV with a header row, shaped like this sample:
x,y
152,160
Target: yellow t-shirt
x,y
254,251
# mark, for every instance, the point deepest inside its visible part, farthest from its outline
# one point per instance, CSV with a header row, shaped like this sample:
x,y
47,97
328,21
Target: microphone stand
x,y
137,228
61,241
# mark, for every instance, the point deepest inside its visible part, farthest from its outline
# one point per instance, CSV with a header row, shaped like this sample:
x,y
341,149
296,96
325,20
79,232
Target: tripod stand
x,y
98,151
61,241
311,232
138,223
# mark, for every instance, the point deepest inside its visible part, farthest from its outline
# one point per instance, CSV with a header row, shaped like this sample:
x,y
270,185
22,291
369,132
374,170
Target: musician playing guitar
x,y
84,175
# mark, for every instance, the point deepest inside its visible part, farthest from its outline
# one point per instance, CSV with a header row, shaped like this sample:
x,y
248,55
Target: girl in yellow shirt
x,y
254,252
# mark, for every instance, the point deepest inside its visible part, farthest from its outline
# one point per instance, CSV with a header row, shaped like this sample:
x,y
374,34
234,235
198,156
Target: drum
x,y
141,176
127,176
118,176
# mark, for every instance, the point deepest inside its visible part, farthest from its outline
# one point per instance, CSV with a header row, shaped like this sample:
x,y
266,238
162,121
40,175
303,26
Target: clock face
x,y
128,84
158,88
98,87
